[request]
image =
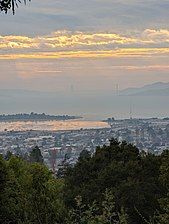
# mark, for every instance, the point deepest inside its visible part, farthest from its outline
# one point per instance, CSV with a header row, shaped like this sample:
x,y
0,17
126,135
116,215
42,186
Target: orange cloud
x,y
69,40
67,44
125,52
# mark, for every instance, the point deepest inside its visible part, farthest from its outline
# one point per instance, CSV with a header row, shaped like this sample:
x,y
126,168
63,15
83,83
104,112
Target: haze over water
x,y
93,107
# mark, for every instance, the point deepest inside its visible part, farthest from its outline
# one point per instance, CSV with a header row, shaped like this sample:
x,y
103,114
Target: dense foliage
x,y
29,193
137,181
115,185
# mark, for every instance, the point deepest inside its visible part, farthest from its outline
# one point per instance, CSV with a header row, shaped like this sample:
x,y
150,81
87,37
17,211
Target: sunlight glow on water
x,y
51,125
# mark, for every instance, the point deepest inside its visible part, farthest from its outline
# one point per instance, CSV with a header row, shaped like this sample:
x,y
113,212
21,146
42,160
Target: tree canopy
x,y
115,185
133,178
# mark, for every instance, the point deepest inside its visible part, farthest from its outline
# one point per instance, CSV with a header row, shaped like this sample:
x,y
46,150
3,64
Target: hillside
x,y
155,89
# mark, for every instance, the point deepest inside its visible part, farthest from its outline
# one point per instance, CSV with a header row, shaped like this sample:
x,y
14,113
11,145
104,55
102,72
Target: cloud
x,y
156,36
62,39
42,17
119,53
68,44
69,39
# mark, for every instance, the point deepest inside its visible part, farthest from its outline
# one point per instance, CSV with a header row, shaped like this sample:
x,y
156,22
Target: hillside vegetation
x,y
118,184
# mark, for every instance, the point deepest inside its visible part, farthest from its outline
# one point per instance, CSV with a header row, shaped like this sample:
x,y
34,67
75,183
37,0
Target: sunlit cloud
x,y
136,67
156,36
125,52
69,40
67,44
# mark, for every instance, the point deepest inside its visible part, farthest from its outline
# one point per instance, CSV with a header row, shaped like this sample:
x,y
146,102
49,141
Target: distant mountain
x,y
155,89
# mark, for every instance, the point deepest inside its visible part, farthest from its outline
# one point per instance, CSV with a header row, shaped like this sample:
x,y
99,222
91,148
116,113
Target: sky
x,y
84,46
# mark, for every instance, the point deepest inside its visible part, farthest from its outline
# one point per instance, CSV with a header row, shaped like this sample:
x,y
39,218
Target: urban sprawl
x,y
58,147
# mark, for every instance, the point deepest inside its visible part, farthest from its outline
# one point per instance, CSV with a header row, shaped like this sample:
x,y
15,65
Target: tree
x,y
109,214
164,180
120,167
29,194
3,181
8,155
44,196
92,214
36,156
6,5
15,200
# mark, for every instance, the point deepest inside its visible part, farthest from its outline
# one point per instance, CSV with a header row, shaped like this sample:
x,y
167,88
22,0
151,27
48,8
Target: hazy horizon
x,y
82,51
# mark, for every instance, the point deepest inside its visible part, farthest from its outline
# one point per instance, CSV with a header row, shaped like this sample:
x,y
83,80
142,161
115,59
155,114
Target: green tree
x,y
109,214
8,155
164,180
29,194
44,196
3,181
36,156
91,214
15,196
120,167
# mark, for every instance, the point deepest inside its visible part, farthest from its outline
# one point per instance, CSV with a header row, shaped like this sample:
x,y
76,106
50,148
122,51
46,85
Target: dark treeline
x,y
34,117
118,184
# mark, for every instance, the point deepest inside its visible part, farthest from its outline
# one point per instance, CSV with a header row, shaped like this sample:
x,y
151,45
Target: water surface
x,y
51,125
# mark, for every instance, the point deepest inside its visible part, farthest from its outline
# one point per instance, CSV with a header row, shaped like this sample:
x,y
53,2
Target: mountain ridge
x,y
154,89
